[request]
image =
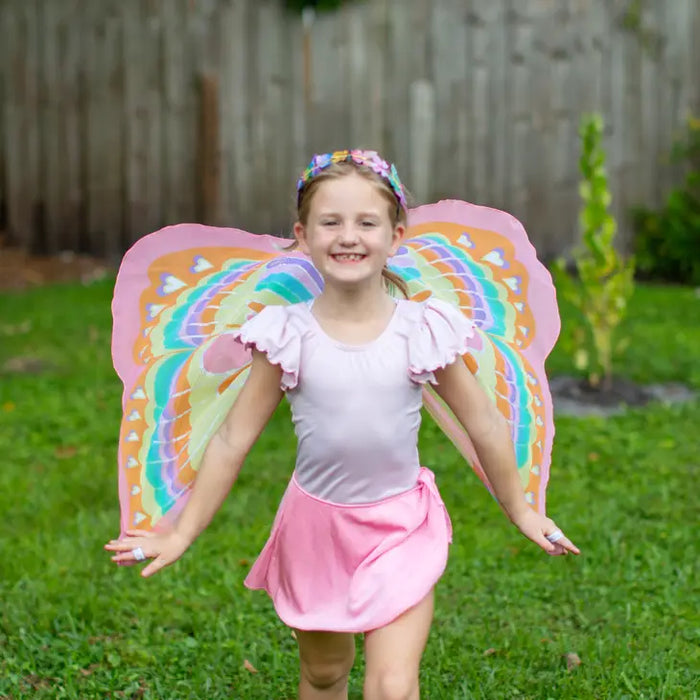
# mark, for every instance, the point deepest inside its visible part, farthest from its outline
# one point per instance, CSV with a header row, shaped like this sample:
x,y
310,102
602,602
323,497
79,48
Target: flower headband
x,y
370,159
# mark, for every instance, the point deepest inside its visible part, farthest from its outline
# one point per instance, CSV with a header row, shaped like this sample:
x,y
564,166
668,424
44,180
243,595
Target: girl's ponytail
x,y
395,281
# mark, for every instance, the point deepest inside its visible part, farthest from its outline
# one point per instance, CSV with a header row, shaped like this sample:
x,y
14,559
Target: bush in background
x,y
300,5
667,241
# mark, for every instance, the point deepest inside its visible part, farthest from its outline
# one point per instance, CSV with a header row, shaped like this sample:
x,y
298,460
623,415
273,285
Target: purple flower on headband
x,y
322,161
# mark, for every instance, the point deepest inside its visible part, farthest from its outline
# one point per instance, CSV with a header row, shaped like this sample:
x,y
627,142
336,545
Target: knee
x,y
392,684
323,675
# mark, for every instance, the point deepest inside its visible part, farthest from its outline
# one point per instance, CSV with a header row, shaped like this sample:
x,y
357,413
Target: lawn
x,y
509,619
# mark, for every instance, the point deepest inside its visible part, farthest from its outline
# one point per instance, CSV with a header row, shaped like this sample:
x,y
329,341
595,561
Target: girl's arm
x,y
219,469
490,435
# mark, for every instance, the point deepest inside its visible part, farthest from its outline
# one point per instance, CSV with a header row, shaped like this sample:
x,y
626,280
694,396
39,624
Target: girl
x,y
361,535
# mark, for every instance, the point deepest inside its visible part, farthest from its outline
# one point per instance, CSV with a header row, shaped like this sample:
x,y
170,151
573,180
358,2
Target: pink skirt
x,y
353,567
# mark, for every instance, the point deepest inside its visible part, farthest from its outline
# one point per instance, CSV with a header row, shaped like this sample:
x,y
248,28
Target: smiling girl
x,y
361,536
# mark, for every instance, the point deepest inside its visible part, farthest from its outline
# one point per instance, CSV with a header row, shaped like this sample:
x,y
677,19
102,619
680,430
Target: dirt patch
x,y
19,270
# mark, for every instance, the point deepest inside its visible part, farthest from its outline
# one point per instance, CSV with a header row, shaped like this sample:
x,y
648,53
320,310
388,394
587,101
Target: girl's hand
x,y
543,532
163,548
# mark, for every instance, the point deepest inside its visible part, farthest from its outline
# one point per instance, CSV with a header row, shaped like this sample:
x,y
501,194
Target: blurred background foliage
x,y
300,5
667,240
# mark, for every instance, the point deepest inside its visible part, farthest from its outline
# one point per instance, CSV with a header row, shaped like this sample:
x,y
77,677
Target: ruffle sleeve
x,y
275,332
442,333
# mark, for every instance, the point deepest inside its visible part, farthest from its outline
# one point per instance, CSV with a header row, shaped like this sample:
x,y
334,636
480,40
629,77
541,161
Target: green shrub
x,y
321,5
667,242
605,281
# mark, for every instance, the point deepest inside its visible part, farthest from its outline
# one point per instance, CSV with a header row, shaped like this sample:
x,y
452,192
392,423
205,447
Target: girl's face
x,y
349,234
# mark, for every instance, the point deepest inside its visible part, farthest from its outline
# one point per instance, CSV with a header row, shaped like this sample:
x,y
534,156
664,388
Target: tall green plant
x,y
605,280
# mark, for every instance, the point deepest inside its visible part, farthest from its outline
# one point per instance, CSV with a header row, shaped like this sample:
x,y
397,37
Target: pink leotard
x,y
357,408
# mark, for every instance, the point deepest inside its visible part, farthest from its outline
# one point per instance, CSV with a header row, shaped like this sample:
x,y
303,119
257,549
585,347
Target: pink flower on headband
x,y
370,159
383,168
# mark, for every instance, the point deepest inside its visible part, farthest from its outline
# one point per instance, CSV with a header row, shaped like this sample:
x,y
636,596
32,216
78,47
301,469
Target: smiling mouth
x,y
348,257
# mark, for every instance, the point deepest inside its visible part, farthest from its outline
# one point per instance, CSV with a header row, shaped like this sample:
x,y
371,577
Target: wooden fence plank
x,y
521,47
664,97
422,131
22,114
271,166
300,98
499,103
71,130
481,163
152,104
204,110
691,36
104,143
235,116
5,9
141,35
381,116
51,20
179,124
537,212
448,39
403,71
22,123
12,112
329,126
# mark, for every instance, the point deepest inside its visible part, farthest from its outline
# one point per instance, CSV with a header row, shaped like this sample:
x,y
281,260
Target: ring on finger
x,y
138,554
555,536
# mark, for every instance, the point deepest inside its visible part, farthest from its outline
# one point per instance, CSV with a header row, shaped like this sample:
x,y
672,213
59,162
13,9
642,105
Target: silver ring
x,y
138,554
555,536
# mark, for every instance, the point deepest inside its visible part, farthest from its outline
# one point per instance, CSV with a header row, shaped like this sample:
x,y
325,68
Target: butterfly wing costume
x,y
183,291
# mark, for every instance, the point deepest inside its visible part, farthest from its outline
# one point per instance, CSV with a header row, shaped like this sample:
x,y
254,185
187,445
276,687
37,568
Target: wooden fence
x,y
121,116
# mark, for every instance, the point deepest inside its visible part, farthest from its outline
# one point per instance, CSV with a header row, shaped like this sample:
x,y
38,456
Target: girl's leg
x,y
325,660
393,654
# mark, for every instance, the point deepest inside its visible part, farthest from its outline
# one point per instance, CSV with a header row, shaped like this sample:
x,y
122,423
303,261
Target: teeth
x,y
348,256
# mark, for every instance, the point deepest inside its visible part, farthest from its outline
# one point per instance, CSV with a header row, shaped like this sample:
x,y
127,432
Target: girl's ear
x,y
300,235
397,237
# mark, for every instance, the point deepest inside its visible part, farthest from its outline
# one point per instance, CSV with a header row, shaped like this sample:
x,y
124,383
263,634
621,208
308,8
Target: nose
x,y
348,235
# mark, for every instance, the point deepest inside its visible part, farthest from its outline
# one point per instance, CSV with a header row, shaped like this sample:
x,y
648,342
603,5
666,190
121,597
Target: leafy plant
x,y
605,280
321,5
667,242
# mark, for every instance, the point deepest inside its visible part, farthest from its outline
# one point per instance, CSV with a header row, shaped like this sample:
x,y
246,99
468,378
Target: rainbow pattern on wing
x,y
177,303
472,269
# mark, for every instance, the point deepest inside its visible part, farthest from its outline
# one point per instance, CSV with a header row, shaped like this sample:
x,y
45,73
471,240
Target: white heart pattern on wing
x,y
154,310
513,283
495,257
200,264
171,284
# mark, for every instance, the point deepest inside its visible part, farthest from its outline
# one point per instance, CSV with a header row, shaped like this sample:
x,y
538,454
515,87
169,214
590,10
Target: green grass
x,y
72,625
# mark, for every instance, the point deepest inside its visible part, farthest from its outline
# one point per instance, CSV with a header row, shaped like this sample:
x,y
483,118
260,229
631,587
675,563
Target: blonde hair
x,y
397,214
